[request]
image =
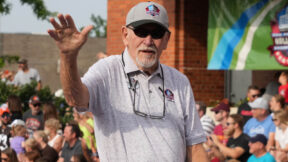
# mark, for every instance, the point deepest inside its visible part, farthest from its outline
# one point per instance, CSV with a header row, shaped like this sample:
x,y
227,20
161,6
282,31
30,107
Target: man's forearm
x,y
196,153
75,91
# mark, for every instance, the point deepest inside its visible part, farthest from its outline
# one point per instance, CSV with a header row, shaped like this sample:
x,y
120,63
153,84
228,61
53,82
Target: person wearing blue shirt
x,y
261,123
258,151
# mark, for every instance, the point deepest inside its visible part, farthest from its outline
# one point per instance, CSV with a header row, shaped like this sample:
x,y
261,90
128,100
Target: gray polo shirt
x,y
124,136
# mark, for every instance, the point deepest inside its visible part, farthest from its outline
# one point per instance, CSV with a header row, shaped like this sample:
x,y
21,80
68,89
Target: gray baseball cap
x,y
259,103
147,12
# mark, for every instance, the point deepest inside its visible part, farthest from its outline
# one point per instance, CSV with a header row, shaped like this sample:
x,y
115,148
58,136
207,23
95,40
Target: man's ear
x,y
124,35
166,37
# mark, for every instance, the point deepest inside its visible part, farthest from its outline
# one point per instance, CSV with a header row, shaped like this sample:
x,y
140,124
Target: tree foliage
x,y
99,27
38,7
8,59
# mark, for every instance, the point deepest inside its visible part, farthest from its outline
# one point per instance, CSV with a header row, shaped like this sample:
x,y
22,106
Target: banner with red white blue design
x,y
248,35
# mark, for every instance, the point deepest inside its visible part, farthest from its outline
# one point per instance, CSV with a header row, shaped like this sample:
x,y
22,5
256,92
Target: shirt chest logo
x,y
169,95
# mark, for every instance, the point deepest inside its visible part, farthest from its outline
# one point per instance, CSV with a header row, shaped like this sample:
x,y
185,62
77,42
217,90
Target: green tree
x,y
99,28
9,59
38,7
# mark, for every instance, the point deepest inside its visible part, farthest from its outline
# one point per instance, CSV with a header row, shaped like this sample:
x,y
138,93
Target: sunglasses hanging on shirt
x,y
133,85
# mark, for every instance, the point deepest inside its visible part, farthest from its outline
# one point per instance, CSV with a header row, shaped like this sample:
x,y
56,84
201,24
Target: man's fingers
x,y
53,34
70,22
86,30
55,24
62,21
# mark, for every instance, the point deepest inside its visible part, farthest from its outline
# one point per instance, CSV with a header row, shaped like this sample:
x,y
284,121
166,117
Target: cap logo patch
x,y
152,10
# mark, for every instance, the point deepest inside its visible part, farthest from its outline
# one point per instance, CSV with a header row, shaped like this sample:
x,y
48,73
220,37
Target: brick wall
x,y
42,54
187,46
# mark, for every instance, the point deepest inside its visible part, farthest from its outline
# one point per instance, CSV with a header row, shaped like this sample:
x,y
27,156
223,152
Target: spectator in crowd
x,y
32,156
277,103
261,123
221,111
15,107
8,77
30,145
25,75
244,109
49,111
54,139
206,121
8,155
272,87
15,123
281,135
237,146
257,148
4,129
283,88
145,36
47,152
86,125
17,142
72,145
34,116
95,155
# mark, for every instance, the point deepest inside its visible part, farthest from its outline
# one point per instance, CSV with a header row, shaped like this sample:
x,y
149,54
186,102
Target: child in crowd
x,y
17,142
283,89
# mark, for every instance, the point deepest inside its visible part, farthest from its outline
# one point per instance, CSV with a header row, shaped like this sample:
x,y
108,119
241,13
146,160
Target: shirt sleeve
x,y
94,80
245,129
193,129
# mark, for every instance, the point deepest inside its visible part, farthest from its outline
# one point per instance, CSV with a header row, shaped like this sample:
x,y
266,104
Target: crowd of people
x,y
256,132
38,135
124,93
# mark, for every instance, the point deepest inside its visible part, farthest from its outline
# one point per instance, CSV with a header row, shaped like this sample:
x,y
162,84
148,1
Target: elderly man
x,y
143,110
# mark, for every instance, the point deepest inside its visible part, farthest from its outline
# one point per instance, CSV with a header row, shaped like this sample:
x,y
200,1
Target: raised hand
x,y
68,39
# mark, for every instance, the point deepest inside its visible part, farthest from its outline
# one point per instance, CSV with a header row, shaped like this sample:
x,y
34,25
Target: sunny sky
x,y
22,19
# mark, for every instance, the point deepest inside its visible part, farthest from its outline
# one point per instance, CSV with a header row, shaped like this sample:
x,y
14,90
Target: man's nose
x,y
148,40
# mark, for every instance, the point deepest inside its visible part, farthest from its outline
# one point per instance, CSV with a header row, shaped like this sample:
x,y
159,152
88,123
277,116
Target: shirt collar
x,y
130,66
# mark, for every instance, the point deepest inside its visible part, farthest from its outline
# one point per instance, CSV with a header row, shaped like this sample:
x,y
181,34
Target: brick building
x,y
187,49
187,46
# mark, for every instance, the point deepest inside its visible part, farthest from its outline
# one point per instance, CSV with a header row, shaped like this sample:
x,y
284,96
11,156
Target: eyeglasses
x,y
229,123
142,113
38,104
141,32
5,115
274,119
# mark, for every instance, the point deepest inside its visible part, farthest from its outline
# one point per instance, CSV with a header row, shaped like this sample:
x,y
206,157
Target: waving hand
x,y
68,39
